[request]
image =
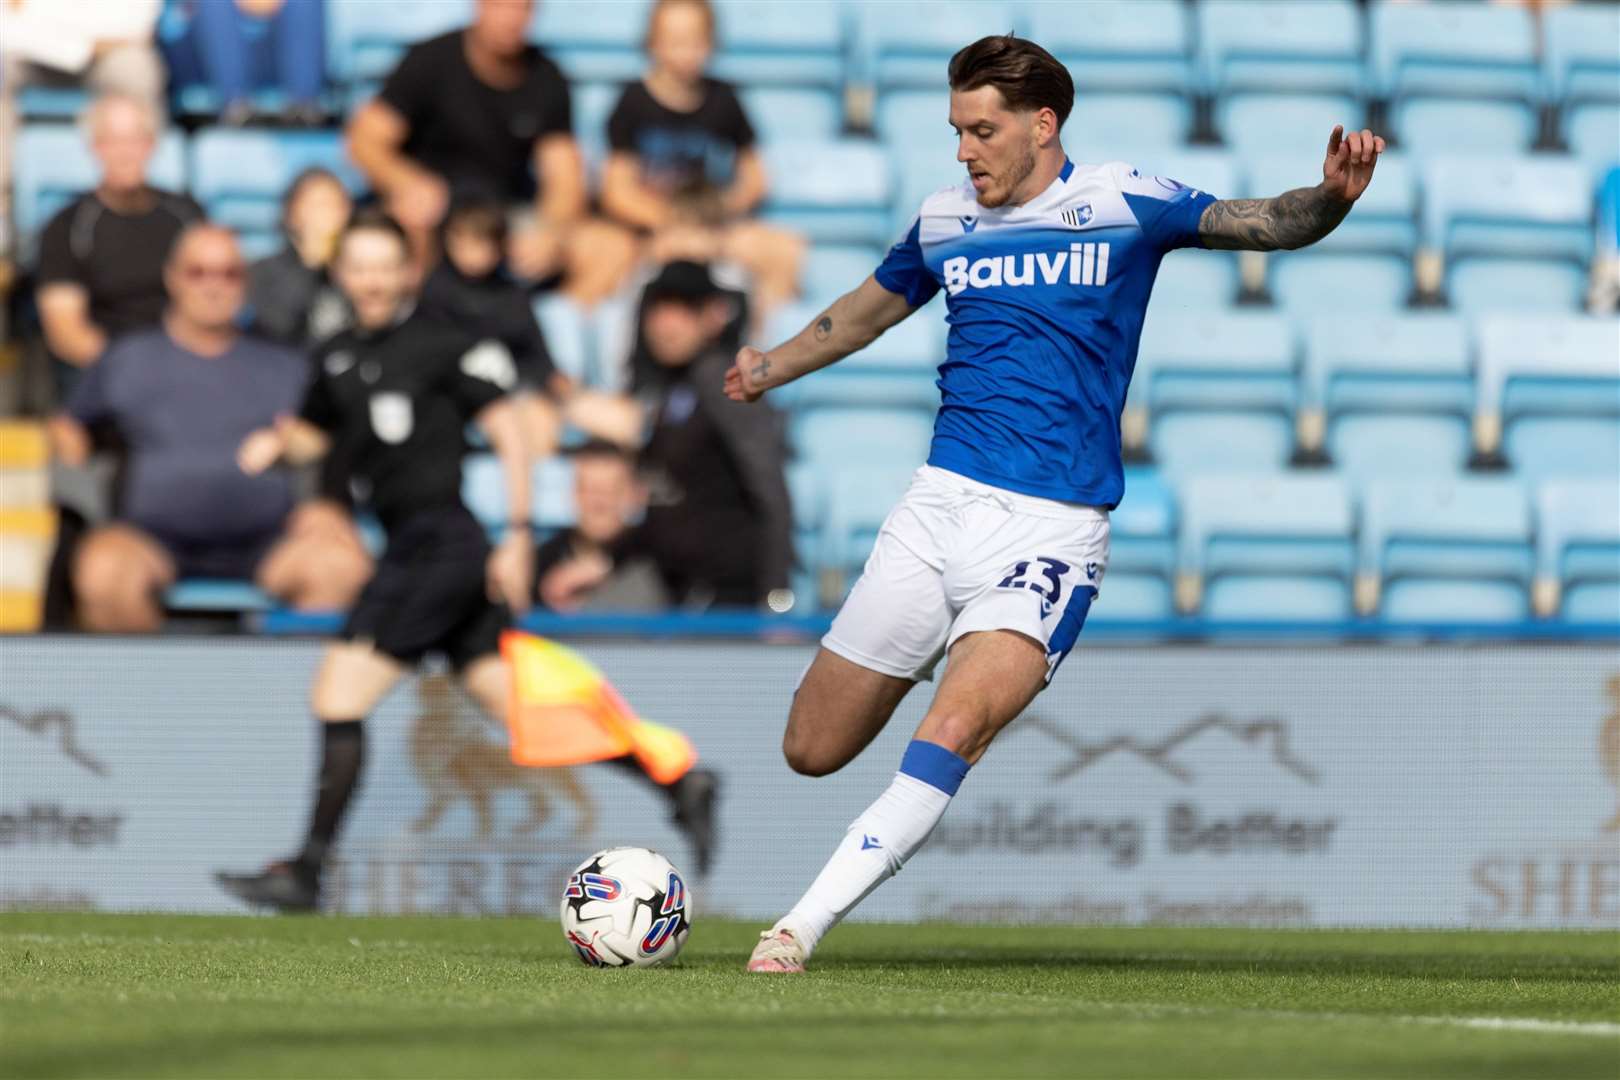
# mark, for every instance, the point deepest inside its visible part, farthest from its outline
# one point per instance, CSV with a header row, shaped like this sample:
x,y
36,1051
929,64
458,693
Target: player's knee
x,y
805,756
960,731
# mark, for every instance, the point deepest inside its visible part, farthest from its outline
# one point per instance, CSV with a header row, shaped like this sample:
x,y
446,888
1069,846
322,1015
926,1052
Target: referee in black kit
x,y
391,399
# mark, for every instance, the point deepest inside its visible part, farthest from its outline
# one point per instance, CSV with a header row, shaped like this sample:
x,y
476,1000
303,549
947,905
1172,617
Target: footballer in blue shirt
x,y
994,555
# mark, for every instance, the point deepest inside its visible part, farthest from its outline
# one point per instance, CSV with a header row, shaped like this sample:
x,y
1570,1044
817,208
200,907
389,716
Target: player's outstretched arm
x,y
1302,216
852,323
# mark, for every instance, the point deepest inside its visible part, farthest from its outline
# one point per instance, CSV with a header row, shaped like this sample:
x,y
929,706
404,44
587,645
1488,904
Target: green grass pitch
x,y
99,995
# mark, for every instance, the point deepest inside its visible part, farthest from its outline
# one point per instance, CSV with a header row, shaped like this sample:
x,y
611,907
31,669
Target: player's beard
x,y
1015,176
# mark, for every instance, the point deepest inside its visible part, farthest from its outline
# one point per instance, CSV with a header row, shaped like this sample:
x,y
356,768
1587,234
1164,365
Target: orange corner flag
x,y
563,712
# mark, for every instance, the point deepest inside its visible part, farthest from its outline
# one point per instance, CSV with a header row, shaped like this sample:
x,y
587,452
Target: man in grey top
x,y
181,397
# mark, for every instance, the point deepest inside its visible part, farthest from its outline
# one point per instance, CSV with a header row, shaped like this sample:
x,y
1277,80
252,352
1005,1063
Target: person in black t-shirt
x,y
101,257
291,294
470,289
393,397
719,520
481,111
684,170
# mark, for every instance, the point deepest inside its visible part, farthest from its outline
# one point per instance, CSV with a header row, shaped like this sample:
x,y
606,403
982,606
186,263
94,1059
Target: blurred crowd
x,y
167,347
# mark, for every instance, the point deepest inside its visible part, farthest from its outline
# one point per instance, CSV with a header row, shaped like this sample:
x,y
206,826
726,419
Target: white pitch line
x,y
1532,1025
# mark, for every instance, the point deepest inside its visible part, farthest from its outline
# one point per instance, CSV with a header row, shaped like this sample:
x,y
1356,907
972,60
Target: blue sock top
x,y
934,765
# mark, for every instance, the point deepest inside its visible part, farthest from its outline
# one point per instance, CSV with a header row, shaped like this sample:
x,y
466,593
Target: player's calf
x,y
837,711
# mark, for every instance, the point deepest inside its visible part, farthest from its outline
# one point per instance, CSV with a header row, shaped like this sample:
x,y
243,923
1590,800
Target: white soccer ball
x,y
626,907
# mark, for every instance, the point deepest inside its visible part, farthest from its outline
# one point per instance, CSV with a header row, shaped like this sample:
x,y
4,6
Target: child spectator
x,y
683,170
292,298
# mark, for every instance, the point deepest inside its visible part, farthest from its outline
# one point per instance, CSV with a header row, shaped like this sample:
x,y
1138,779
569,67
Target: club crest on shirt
x,y
1077,216
391,417
339,362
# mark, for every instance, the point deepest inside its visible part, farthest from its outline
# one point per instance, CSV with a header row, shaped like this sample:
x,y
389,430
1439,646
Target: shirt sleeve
x,y
1167,210
410,88
91,403
319,407
57,263
481,374
903,271
738,128
556,104
621,125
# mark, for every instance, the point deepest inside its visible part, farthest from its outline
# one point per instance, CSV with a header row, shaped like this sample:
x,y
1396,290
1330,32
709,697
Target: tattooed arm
x,y
1302,216
853,322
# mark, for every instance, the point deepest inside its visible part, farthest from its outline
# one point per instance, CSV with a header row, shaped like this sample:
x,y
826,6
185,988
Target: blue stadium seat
x,y
1211,170
215,595
808,495
1434,125
1547,447
1545,367
1309,45
1593,133
909,42
784,113
861,437
593,103
1189,441
54,103
1385,219
1579,53
832,270
52,166
365,39
1215,359
1524,206
1453,49
1142,551
1108,119
897,371
483,488
1308,283
1482,286
858,499
1578,549
1371,445
1117,44
1407,365
1453,549
1197,281
593,41
612,337
915,126
765,42
1296,124
568,336
834,192
240,175
1265,546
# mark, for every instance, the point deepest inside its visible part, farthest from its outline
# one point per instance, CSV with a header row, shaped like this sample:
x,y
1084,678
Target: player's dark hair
x,y
1027,75
375,219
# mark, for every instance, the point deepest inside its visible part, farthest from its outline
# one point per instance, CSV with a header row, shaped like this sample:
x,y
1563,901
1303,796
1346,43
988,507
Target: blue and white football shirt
x,y
1045,304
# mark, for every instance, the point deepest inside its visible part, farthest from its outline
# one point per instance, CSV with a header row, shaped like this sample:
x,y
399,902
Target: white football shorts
x,y
957,556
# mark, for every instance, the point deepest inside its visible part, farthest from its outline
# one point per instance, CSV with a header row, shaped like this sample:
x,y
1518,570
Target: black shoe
x,y
695,796
284,886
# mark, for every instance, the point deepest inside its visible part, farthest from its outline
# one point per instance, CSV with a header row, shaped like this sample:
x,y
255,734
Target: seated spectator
x,y
480,111
182,396
719,522
291,295
471,290
596,565
103,46
683,170
239,46
101,257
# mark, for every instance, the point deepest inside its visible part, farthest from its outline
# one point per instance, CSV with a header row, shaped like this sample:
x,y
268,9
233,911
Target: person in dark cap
x,y
719,521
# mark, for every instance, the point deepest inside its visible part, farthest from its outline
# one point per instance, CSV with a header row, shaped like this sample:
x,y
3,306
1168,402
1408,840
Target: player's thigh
x,y
119,557
837,711
991,677
352,679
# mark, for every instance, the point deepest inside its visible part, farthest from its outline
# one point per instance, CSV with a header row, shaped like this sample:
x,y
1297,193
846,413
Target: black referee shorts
x,y
428,592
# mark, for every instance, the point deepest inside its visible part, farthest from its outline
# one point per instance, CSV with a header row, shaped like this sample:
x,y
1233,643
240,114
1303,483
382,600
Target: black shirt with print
x,y
478,137
397,402
682,151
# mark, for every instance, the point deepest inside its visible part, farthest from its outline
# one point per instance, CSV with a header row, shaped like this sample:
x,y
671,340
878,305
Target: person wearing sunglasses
x,y
180,397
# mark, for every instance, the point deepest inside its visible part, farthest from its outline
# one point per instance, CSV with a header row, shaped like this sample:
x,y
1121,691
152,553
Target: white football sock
x,y
879,842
